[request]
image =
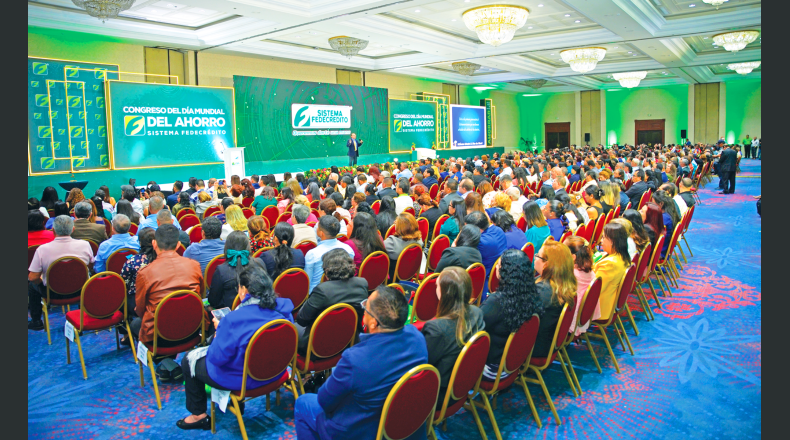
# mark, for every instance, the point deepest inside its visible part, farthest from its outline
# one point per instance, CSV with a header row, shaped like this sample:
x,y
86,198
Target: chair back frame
x,y
503,362
84,311
49,271
246,371
280,279
382,433
477,295
554,340
430,279
201,326
408,249
213,267
481,335
367,261
316,324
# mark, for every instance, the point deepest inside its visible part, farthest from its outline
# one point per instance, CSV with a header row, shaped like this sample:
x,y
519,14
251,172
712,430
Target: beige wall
x,y
706,112
401,86
507,113
77,46
216,69
590,106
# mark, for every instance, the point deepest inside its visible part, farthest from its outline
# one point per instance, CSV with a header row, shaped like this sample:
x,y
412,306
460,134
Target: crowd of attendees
x,y
485,200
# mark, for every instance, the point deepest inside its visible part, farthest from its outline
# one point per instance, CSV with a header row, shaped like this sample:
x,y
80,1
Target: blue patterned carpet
x,y
696,372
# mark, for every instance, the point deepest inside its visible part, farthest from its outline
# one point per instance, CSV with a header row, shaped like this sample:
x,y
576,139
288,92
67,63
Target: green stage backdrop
x,y
283,120
158,125
412,124
67,123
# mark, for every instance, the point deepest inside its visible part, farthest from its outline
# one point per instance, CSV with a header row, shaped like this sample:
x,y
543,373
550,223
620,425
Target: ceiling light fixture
x,y
567,15
744,68
536,83
629,79
735,41
715,3
583,60
104,9
465,67
496,24
347,46
692,5
540,6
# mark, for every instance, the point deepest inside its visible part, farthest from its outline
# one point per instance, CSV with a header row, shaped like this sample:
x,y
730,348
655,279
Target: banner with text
x,y
169,125
467,126
412,124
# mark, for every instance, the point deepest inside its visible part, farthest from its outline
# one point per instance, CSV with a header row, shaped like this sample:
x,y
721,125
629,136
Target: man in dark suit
x,y
685,191
727,165
85,230
638,188
428,178
450,194
386,189
353,149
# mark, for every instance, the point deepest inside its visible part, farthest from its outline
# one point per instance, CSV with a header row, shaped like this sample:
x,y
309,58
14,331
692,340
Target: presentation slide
x,y
155,125
67,122
467,126
284,120
412,124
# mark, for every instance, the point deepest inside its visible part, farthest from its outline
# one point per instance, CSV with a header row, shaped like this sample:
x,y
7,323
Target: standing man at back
x,y
727,165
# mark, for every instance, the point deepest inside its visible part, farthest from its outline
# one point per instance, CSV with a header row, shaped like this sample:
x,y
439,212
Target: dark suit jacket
x,y
352,292
429,181
387,192
635,192
688,198
461,256
559,192
85,230
267,258
350,145
728,160
446,200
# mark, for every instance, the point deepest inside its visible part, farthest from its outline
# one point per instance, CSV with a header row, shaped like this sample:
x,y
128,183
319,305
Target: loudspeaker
x,y
586,137
683,134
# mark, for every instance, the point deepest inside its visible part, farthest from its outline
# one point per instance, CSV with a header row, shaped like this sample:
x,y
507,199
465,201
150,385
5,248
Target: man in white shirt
x,y
403,200
507,169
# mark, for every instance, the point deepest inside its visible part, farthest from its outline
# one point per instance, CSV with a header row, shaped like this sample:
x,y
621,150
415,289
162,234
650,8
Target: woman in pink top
x,y
288,198
582,268
302,200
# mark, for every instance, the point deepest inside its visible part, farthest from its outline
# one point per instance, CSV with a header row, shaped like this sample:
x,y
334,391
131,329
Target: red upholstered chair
x,y
602,324
179,317
598,231
289,208
398,287
248,212
434,191
628,183
586,309
305,246
466,375
209,211
609,217
108,227
515,357
188,221
478,274
258,253
671,268
521,223
496,185
438,245
566,235
102,306
529,249
390,231
293,284
312,224
133,229
375,269
437,227
333,331
196,234
645,198
270,213
424,226
642,276
408,263
180,249
411,401
31,252
276,192
183,212
247,202
410,210
536,365
342,238
581,231
617,211
283,217
376,206
94,246
493,278
65,276
271,350
208,274
117,259
314,204
426,300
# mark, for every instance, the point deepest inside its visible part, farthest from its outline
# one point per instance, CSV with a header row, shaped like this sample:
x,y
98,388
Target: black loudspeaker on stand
x,y
683,134
586,137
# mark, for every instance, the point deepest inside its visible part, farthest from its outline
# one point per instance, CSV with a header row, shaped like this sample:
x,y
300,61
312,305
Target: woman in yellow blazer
x,y
612,268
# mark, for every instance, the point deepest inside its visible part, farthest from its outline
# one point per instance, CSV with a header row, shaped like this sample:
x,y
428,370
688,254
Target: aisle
x,y
696,373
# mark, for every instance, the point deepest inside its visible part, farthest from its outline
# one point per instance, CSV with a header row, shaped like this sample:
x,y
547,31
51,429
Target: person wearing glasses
x,y
350,402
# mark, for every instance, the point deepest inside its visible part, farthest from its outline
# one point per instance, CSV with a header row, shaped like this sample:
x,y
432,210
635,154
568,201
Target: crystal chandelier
x,y
465,67
495,24
348,46
583,60
735,41
536,83
104,9
715,3
629,79
744,68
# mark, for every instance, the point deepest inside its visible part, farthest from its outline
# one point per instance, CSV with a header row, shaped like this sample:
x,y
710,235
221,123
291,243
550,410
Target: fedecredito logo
x,y
134,125
320,116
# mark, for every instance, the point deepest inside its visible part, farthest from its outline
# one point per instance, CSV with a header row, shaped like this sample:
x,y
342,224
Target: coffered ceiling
x,y
671,39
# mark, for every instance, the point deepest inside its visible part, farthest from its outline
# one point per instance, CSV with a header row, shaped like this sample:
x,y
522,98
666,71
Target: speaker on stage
x,y
586,137
683,134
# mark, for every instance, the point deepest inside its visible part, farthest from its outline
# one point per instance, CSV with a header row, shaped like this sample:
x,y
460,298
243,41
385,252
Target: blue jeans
x,y
306,411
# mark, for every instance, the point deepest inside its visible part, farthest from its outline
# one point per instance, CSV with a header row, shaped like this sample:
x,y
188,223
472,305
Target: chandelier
x,y
715,3
735,41
104,9
536,83
465,67
583,60
744,68
629,79
347,46
495,24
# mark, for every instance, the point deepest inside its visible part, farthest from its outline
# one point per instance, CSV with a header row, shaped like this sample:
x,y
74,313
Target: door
x,y
649,137
558,135
649,131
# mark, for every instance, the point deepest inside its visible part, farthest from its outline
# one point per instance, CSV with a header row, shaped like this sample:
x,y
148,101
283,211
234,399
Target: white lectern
x,y
234,162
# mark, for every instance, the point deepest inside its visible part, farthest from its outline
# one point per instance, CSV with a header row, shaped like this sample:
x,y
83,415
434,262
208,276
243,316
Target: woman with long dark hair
x,y
612,267
546,192
514,302
386,216
669,216
312,192
225,281
582,269
300,180
639,234
125,207
515,238
288,198
283,256
456,321
453,225
430,211
183,202
653,219
364,239
463,251
592,197
60,208
49,197
537,227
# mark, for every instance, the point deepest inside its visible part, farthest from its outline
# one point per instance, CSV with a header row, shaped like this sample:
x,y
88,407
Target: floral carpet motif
x,y
696,372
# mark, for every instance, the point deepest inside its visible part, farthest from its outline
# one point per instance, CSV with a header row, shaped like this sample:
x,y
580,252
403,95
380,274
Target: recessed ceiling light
x,y
567,15
540,6
453,19
529,27
630,52
705,38
692,5
552,54
416,10
577,21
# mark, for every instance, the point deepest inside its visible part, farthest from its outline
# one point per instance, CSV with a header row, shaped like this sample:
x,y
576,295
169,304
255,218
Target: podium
x,y
234,162
423,153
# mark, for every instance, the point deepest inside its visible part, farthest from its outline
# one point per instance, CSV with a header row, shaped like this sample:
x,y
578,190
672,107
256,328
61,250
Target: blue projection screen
x,y
467,126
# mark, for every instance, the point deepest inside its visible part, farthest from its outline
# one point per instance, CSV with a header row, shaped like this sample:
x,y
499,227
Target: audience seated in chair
x,y
155,205
302,232
328,228
283,256
224,282
611,268
556,285
36,234
463,252
406,232
62,246
492,242
364,239
120,239
210,246
350,402
83,228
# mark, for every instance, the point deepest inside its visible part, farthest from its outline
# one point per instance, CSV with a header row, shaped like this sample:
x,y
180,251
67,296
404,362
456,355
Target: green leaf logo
x,y
98,116
75,101
34,84
84,144
53,115
82,115
76,132
39,148
100,102
42,100
103,160
47,163
72,72
96,87
398,125
58,102
78,163
36,115
102,131
88,103
56,145
99,146
90,131
134,125
61,131
100,74
40,68
44,132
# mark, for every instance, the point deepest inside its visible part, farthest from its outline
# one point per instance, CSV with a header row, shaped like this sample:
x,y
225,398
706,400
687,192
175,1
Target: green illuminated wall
x,y
744,114
623,106
536,111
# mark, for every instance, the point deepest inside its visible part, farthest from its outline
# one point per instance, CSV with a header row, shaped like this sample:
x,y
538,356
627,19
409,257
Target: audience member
x,y
209,246
403,200
685,191
515,239
282,256
669,216
183,203
430,211
61,208
463,252
364,239
130,268
225,281
406,232
492,243
612,267
120,239
328,207
155,205
259,235
36,234
554,212
639,232
582,269
556,286
457,220
328,228
83,228
386,216
234,221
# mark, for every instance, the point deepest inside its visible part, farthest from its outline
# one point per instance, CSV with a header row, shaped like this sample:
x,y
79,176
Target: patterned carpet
x,y
696,372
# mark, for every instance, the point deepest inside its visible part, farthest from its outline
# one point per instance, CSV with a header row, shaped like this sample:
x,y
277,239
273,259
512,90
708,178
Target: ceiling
x,y
670,39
